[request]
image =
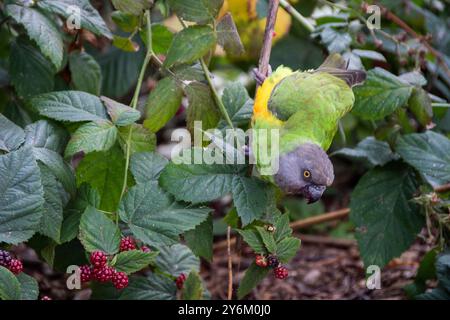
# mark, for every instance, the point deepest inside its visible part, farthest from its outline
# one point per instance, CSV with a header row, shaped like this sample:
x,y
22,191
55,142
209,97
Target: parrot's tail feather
x,y
351,77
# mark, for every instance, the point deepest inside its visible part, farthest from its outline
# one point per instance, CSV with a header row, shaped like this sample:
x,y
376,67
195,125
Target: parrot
x,y
305,107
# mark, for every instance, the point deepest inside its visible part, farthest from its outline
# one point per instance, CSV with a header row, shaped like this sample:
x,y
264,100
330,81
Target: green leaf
x,y
161,38
238,103
31,73
86,72
380,95
47,135
420,106
369,54
254,240
127,22
52,215
282,228
154,217
147,166
189,45
40,29
133,261
134,7
442,292
228,36
121,115
386,219
196,10
21,196
72,106
250,198
287,249
370,150
92,136
142,140
200,240
201,106
153,287
335,41
252,277
267,239
29,289
11,135
97,232
104,171
162,104
9,285
89,17
177,259
428,153
125,44
192,288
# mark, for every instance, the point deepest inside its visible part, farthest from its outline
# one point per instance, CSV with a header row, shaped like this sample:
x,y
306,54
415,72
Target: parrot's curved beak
x,y
313,192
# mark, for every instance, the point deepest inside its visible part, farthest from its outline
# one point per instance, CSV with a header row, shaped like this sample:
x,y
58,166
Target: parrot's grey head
x,y
306,170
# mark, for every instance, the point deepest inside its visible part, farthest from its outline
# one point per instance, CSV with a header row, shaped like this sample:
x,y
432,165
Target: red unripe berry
x,y
127,244
16,266
146,249
120,280
180,281
281,272
261,261
103,274
85,273
98,259
46,298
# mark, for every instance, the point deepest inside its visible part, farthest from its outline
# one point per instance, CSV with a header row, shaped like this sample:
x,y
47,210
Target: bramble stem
x,y
297,15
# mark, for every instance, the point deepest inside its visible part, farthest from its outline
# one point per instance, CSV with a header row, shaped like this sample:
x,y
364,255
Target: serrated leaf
x,y
177,259
189,45
196,10
21,196
89,17
228,36
40,29
121,115
31,73
125,44
387,220
420,106
147,166
254,240
162,104
282,228
202,106
200,239
97,232
29,289
369,54
133,261
134,7
47,135
267,239
192,287
335,41
428,153
287,249
161,38
249,197
252,277
153,287
154,217
380,95
11,135
127,22
370,150
142,140
9,285
92,136
86,72
104,171
238,103
72,106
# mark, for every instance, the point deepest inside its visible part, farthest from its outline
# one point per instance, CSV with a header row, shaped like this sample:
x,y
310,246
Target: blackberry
x,y
103,274
120,280
281,272
98,259
180,281
127,244
5,258
16,266
85,273
272,261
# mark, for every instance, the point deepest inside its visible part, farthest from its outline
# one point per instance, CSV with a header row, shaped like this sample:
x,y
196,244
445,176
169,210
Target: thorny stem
x,y
297,15
134,102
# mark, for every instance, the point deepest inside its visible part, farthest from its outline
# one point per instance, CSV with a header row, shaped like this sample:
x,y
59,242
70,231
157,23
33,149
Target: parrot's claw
x,y
259,77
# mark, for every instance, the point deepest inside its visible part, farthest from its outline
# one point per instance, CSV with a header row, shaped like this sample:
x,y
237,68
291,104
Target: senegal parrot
x,y
305,107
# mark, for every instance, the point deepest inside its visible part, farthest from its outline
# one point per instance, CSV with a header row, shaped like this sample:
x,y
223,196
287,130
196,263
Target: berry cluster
x,y
6,260
101,272
271,261
180,281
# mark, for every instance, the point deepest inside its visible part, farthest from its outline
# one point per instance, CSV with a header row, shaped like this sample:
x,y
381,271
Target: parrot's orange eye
x,y
306,174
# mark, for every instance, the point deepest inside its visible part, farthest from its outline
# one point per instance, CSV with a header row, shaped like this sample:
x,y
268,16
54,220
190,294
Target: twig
x,y
297,15
328,241
442,188
325,217
230,265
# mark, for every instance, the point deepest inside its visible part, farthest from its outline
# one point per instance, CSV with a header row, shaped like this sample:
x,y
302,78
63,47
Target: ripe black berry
x,y
120,280
127,244
16,266
5,258
281,272
98,259
272,261
85,273
180,281
103,274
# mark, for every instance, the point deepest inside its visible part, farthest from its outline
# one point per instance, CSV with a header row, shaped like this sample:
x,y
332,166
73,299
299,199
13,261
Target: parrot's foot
x,y
259,77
